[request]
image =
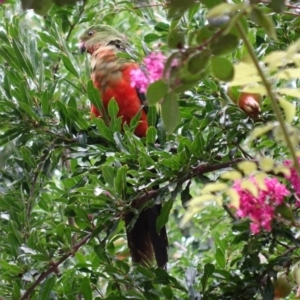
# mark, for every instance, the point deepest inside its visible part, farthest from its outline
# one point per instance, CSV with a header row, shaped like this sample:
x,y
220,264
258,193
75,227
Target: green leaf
x,y
113,109
42,7
47,287
261,19
211,3
27,157
151,37
85,288
103,129
108,173
121,145
14,244
220,258
69,65
152,116
204,34
222,68
163,218
23,60
156,91
13,269
170,112
277,5
199,62
223,9
161,26
27,109
167,292
285,212
100,252
176,39
95,98
120,181
208,271
46,37
198,143
224,44
16,291
151,135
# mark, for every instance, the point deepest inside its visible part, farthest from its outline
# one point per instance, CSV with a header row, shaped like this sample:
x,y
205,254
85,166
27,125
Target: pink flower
x,y
293,178
154,63
260,210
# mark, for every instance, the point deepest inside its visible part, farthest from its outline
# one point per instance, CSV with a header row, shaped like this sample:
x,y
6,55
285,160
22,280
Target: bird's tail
x,y
143,239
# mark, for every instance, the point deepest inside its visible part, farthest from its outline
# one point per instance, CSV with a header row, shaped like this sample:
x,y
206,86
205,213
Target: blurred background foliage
x,y
66,180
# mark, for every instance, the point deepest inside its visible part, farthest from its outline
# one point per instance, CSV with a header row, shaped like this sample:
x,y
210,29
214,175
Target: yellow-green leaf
x,y
275,59
214,187
232,175
260,180
259,131
284,170
266,164
290,92
256,89
250,186
288,108
200,200
288,73
234,196
196,205
247,167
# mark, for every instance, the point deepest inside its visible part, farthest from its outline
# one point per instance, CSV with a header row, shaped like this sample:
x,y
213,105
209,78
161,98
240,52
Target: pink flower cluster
x,y
154,63
260,210
293,178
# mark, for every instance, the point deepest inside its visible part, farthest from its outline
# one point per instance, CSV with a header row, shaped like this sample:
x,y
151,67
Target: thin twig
x,y
246,154
289,250
230,213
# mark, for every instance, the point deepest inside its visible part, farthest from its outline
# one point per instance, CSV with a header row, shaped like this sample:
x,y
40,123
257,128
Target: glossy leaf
x,y
222,68
170,112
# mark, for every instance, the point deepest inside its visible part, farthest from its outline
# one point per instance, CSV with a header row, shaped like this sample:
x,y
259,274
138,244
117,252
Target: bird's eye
x,y
90,33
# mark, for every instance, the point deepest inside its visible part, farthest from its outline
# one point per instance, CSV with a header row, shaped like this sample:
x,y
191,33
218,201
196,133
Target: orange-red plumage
x,y
126,96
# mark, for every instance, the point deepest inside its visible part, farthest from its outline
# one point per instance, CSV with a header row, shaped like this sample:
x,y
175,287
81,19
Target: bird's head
x,y
99,36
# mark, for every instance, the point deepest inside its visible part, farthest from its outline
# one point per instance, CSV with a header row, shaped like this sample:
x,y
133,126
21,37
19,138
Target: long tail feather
x,y
144,241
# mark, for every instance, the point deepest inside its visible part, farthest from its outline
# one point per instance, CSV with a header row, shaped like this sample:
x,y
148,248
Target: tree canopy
x,y
222,147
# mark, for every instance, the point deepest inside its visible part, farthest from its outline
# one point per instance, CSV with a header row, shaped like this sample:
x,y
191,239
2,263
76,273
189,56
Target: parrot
x,y
110,74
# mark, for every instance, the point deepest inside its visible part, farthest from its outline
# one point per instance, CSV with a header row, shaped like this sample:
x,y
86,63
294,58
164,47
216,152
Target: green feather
x,y
103,34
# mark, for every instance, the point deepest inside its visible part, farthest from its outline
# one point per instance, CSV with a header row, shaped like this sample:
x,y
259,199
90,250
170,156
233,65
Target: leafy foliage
x,y
66,179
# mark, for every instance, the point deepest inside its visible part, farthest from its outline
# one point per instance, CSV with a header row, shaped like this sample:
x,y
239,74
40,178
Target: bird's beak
x,y
82,47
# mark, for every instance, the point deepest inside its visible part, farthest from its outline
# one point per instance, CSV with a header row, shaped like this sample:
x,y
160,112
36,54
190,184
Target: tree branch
x,y
207,168
230,213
